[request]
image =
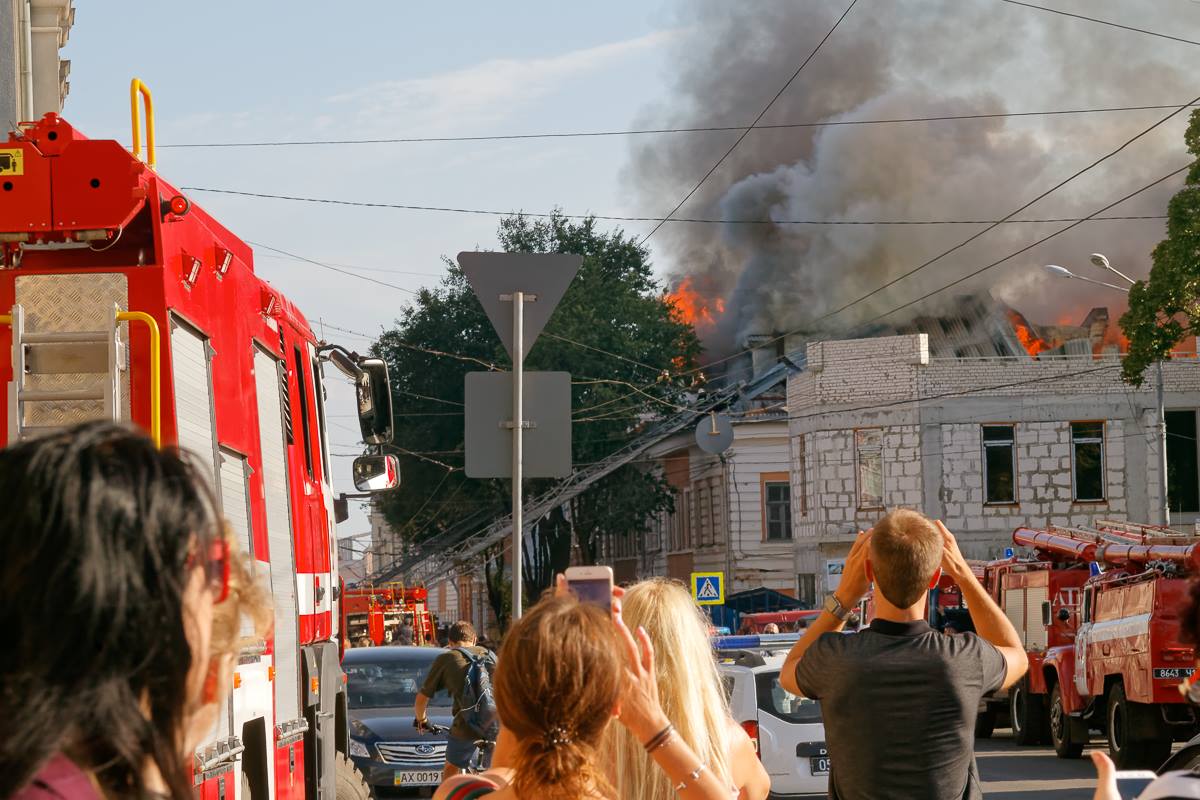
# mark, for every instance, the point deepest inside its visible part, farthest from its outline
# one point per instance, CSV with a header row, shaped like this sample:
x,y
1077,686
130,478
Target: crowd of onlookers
x,y
125,605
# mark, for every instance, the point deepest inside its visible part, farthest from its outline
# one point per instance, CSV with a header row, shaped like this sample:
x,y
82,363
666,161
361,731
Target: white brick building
x,y
986,444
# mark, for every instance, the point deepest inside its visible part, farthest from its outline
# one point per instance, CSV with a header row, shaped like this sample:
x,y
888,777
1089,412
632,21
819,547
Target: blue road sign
x,y
708,588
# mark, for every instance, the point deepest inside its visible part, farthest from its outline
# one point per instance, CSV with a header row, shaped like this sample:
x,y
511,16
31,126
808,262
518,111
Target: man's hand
x,y
953,563
855,582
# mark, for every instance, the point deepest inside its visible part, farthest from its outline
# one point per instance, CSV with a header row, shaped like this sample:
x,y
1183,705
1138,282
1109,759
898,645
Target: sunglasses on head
x,y
216,568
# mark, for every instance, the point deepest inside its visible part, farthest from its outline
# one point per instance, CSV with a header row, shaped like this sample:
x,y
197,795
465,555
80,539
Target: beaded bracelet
x,y
694,775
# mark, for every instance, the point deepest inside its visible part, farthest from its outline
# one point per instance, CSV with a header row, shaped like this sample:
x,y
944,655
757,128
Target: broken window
x,y
999,464
1087,460
806,590
777,500
1183,471
868,453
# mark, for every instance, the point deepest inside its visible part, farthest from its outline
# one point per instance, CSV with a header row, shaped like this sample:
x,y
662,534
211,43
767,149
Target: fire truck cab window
x,y
999,464
319,393
302,390
1183,471
1086,608
1087,460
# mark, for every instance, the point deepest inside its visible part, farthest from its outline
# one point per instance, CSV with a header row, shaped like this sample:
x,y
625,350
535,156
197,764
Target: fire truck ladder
x,y
1077,545
75,358
459,545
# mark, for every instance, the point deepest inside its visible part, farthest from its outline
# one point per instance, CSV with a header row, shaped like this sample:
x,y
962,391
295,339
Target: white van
x,y
787,729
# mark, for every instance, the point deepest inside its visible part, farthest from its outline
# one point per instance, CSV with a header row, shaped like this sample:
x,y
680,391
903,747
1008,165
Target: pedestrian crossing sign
x,y
708,588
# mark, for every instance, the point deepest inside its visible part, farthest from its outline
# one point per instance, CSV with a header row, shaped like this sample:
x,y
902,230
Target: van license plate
x,y
1173,673
427,777
819,765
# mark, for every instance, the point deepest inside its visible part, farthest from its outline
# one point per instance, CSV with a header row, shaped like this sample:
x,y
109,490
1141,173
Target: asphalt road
x,y
1014,773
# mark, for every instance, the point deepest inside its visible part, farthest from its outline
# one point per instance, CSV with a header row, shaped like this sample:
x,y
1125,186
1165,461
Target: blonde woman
x,y
690,689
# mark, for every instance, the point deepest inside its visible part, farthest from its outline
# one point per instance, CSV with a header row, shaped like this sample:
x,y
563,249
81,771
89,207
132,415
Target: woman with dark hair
x,y
113,560
565,670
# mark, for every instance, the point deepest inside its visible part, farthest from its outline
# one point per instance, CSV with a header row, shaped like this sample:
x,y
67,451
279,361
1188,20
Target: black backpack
x,y
478,702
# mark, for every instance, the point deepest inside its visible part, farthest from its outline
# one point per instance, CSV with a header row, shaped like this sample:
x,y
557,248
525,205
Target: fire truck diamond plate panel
x,y
69,303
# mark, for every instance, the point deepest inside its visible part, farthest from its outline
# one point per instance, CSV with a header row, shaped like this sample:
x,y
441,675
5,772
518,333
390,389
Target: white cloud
x,y
483,93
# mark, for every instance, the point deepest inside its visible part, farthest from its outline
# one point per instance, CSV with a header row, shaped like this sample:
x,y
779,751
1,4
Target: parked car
x,y
788,730
381,688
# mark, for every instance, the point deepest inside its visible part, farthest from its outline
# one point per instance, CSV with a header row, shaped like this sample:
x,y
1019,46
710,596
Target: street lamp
x,y
1100,260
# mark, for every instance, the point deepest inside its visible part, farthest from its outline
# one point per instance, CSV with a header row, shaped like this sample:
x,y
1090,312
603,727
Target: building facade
x,y
33,78
986,444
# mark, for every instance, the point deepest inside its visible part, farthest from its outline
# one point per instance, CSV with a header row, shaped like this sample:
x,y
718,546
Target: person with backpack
x,y
465,672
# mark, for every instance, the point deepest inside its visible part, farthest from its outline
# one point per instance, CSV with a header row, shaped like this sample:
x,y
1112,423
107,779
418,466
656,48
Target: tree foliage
x,y
1166,307
614,332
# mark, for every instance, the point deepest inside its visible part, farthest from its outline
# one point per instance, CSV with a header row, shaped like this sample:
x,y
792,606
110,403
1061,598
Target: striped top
x,y
472,788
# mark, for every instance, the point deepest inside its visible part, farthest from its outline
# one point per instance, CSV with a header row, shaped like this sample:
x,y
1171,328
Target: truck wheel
x,y
1063,735
1138,737
350,782
985,722
1029,723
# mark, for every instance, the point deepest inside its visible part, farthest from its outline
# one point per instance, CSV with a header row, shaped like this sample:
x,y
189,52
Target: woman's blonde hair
x,y
689,687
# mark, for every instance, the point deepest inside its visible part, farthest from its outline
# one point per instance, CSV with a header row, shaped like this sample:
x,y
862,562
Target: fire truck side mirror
x,y
341,509
376,473
1046,614
374,401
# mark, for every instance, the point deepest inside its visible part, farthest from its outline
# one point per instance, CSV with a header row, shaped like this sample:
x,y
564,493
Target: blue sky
x,y
245,71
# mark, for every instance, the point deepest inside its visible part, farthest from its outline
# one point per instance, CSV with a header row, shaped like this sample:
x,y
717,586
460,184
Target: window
x,y
777,502
302,390
1087,460
681,522
1183,474
387,684
715,516
319,391
773,699
802,476
999,464
806,589
704,518
868,454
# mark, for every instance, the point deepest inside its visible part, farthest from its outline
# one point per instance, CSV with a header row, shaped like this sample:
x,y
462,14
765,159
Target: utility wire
x,y
653,131
1101,21
626,218
329,267
746,132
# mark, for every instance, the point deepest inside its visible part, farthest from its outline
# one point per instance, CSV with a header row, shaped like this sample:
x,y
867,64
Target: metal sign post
x,y
504,283
518,428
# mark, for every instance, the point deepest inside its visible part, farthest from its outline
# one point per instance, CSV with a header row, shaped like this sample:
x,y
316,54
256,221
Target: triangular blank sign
x,y
545,275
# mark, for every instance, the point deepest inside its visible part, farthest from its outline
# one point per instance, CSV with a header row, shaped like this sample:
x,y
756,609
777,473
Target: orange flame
x,y
1032,343
689,306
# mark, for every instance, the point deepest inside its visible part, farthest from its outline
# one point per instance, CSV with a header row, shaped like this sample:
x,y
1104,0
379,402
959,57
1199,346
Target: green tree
x,y
1166,307
617,336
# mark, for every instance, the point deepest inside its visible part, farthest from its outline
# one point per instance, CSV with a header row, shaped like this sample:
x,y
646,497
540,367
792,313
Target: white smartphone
x,y
1131,782
592,585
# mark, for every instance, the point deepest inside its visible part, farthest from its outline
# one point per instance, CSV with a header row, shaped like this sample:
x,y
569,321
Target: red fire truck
x,y
122,300
379,613
1113,659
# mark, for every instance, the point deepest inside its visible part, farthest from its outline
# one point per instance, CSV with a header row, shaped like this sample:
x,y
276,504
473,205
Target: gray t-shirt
x,y
899,701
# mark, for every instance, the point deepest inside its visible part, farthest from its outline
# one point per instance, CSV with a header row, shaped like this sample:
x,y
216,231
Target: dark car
x,y
381,689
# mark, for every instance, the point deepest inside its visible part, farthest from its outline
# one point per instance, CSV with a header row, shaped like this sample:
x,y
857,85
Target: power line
x,y
656,131
628,218
993,226
1101,22
1028,247
329,267
746,132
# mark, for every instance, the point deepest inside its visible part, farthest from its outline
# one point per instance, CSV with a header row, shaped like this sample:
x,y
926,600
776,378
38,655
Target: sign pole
x,y
518,382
